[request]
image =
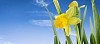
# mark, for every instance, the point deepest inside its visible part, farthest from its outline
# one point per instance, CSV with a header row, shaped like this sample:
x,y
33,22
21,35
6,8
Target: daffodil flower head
x,y
65,20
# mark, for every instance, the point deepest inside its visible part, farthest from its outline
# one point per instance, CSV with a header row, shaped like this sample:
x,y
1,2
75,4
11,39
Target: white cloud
x,y
46,23
41,3
7,42
41,22
3,41
41,12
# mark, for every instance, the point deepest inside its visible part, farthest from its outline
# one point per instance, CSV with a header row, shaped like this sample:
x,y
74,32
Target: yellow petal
x,y
74,21
68,30
61,21
70,12
72,4
61,15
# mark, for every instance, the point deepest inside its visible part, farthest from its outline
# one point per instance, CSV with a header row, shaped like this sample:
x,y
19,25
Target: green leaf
x,y
56,41
96,22
74,0
91,25
69,40
81,29
99,18
84,14
77,35
92,1
84,34
92,37
56,3
85,38
65,42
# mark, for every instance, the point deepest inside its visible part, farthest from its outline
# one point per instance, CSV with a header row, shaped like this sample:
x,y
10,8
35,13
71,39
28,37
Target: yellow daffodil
x,y
75,8
66,19
73,4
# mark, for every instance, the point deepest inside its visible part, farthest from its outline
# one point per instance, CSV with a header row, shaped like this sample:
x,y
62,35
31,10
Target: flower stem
x,y
67,38
56,40
57,6
77,34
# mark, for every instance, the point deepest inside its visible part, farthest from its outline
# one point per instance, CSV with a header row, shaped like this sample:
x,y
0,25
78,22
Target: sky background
x,y
27,21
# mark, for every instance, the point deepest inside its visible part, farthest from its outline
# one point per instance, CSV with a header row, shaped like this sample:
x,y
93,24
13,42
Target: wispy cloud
x,y
41,22
7,42
46,23
41,15
3,41
41,3
41,12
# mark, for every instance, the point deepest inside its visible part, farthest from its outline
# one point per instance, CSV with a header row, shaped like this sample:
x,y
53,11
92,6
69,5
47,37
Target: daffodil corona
x,y
64,20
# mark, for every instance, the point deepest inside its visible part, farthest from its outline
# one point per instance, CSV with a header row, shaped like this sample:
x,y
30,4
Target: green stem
x,y
56,40
54,29
67,38
96,22
84,37
57,6
81,27
77,34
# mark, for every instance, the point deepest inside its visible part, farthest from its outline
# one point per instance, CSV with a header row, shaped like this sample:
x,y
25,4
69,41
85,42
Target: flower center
x,y
61,22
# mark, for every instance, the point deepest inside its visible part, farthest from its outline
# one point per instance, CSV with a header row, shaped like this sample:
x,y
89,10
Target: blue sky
x,y
27,22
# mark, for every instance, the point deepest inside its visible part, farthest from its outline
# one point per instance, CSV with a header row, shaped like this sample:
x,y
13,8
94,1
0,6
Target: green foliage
x,y
57,6
56,41
92,37
80,32
96,22
77,35
81,28
69,40
83,33
85,39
